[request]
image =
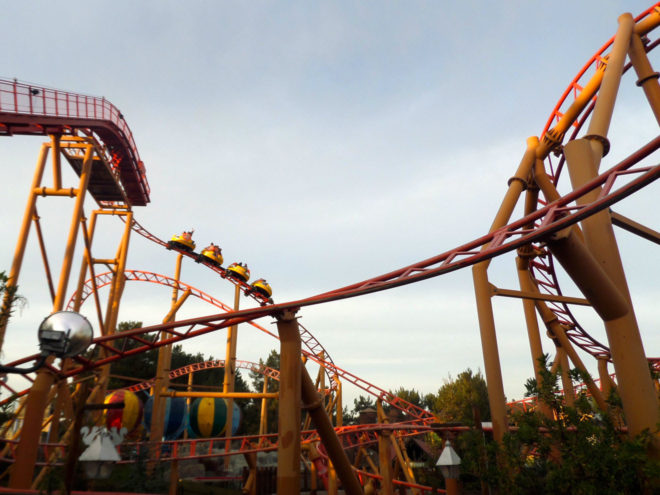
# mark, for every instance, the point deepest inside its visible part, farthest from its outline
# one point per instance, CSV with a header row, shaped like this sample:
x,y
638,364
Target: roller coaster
x,y
572,230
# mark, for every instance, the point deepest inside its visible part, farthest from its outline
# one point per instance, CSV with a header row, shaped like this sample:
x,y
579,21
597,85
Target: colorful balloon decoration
x,y
175,416
208,418
129,417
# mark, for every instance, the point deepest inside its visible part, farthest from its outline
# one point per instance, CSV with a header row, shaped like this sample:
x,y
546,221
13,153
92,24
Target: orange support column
x,y
566,381
583,157
26,453
648,79
230,373
288,432
483,294
162,380
19,252
314,404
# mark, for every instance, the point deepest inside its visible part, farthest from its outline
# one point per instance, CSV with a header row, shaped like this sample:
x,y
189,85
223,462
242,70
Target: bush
x,y
580,450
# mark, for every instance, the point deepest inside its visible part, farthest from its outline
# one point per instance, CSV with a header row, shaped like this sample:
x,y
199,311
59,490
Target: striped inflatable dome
x,y
129,417
208,418
175,416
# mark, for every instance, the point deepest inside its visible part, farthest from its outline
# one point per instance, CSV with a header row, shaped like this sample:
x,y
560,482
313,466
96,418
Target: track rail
x,y
351,437
546,221
314,347
245,288
101,280
542,268
208,365
37,110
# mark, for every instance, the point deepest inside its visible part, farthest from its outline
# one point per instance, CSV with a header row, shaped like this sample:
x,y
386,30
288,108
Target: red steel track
x,y
24,111
546,220
549,218
313,345
209,365
351,437
543,268
244,287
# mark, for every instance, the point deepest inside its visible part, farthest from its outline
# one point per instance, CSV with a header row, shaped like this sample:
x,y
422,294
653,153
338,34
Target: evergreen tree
x,y
457,399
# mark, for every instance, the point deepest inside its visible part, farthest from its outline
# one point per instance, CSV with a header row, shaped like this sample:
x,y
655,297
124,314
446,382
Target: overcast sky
x,y
323,143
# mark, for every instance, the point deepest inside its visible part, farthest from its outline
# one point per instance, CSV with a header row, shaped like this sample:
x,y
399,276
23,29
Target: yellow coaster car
x,y
183,242
262,288
211,254
239,271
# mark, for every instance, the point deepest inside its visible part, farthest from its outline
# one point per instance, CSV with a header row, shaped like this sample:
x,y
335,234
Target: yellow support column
x,y
567,383
483,294
230,373
19,251
263,419
162,381
27,450
583,158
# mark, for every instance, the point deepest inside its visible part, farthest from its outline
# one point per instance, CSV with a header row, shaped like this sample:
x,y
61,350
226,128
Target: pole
x,y
314,404
288,432
27,450
230,374
483,294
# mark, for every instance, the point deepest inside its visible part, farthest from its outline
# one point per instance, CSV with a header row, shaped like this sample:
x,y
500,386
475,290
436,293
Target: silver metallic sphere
x,y
65,334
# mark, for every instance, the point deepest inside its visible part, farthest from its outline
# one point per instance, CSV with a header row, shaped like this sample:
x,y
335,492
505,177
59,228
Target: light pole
x,y
62,334
450,465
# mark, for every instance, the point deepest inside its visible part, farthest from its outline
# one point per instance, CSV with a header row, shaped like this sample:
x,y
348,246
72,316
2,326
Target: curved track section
x,y
262,369
37,110
620,181
314,347
543,268
243,286
547,220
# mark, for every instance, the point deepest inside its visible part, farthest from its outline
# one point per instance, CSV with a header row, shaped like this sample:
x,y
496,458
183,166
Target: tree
x,y
143,366
457,400
410,395
257,380
576,450
9,299
360,404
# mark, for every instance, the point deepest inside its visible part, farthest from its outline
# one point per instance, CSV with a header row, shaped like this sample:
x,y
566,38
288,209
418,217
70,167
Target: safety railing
x,y
30,99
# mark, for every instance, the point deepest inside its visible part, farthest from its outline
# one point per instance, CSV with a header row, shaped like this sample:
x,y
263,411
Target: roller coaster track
x,y
314,347
633,173
412,411
352,437
244,287
260,368
547,220
542,268
36,110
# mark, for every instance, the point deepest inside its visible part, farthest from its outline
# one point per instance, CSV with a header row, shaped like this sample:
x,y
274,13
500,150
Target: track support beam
x,y
288,441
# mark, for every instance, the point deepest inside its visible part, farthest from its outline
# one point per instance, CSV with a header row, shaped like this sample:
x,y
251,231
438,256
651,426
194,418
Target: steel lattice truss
x,y
633,173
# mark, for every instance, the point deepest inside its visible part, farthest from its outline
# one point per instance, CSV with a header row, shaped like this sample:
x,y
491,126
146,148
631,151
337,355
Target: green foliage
x,y
578,450
457,400
7,410
253,411
9,297
352,417
410,395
